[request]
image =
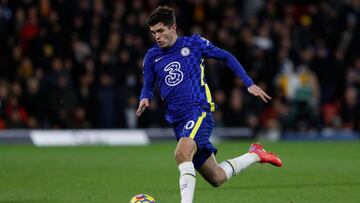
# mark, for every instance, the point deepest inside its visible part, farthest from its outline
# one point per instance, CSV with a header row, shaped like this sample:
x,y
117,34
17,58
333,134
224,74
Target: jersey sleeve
x,y
149,79
209,50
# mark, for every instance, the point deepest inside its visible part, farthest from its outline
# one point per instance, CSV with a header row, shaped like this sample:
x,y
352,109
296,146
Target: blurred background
x,y
78,64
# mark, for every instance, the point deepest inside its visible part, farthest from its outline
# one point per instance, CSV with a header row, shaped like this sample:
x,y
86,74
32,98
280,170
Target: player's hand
x,y
144,103
257,91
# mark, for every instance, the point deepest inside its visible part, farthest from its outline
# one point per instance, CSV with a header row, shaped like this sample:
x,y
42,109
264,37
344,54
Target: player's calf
x,y
218,178
212,172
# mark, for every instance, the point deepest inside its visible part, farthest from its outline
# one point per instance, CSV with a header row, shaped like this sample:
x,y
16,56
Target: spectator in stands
x,y
350,107
86,94
16,115
63,100
78,119
220,101
353,74
108,103
34,101
4,94
236,115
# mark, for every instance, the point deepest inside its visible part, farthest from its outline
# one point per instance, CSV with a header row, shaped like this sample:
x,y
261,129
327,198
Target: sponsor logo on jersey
x,y
175,76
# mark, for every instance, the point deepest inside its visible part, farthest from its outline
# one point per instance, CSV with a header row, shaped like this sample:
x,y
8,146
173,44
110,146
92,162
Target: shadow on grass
x,y
281,186
23,201
299,185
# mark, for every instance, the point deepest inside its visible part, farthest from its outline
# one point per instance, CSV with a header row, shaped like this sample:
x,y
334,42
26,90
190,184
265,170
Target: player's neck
x,y
173,40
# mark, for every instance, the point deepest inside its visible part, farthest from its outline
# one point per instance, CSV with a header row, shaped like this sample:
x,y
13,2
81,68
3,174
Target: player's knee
x,y
216,182
181,156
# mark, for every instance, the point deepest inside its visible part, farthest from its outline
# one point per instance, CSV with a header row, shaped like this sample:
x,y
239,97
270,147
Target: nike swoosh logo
x,y
158,59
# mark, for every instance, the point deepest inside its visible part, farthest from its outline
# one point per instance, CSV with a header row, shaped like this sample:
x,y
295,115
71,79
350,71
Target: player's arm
x,y
211,51
147,90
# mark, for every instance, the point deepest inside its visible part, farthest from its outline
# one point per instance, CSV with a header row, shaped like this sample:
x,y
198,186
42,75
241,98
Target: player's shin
x,y
234,166
187,181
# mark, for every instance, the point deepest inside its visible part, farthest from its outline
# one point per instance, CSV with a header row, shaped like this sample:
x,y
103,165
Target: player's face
x,y
164,35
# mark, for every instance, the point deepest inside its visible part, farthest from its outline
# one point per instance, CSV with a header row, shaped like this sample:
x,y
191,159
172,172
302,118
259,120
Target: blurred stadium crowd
x,y
78,64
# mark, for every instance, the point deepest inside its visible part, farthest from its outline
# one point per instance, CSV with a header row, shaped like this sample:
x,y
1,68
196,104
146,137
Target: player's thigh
x,y
211,170
185,149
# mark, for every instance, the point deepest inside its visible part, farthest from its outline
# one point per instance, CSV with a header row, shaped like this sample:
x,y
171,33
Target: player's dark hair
x,y
162,14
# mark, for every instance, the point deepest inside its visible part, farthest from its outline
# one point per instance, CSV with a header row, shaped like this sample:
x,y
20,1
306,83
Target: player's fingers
x,y
140,109
263,98
146,103
266,95
138,112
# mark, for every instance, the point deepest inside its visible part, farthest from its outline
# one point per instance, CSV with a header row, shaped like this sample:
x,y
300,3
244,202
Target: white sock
x,y
234,166
187,181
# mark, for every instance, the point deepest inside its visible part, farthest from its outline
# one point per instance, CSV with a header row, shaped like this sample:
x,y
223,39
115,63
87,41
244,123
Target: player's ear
x,y
173,27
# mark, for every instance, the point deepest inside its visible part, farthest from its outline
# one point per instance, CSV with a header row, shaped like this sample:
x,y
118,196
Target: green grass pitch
x,y
318,172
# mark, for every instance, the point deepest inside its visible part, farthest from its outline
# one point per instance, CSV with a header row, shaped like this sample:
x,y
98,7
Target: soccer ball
x,y
142,198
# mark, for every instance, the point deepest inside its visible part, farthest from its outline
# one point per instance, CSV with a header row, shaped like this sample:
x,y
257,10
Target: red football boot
x,y
265,157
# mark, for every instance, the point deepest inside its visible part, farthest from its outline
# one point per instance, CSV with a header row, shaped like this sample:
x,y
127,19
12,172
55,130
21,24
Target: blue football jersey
x,y
178,72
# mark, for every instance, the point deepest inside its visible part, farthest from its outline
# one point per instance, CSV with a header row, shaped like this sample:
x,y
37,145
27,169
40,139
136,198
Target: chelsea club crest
x,y
185,51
